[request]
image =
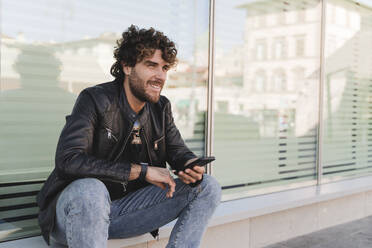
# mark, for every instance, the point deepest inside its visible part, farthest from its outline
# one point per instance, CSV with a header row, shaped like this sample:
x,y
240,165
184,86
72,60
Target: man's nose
x,y
161,75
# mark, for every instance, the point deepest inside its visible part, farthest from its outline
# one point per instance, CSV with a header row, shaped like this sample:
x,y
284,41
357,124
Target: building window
x,y
300,46
279,48
260,81
279,82
261,49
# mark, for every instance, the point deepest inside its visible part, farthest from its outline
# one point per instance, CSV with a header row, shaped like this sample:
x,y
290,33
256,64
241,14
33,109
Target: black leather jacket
x,y
95,136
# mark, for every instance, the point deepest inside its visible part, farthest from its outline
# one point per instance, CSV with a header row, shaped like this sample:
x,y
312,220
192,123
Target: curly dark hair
x,y
137,44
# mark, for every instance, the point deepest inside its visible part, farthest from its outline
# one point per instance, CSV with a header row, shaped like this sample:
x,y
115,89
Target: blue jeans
x,y
86,217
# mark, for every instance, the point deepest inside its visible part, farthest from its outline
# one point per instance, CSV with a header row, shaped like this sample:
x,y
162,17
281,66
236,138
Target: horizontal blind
x,y
196,141
18,209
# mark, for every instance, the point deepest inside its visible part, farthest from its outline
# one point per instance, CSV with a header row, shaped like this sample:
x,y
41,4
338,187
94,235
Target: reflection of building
x,y
86,62
282,44
83,63
230,66
277,105
280,72
347,84
185,88
10,78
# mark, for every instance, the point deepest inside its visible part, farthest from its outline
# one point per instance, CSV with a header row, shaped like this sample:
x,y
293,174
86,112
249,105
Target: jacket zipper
x,y
124,145
156,147
124,184
110,135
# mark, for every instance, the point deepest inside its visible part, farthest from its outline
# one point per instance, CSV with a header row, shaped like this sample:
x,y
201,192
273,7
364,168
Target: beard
x,y
138,88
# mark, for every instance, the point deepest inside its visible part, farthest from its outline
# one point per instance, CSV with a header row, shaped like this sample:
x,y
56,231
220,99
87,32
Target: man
x,y
110,178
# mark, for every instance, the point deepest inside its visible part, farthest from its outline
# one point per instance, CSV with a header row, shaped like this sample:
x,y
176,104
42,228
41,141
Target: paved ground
x,y
356,234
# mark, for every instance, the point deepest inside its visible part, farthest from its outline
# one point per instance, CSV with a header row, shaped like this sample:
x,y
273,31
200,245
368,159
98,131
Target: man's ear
x,y
126,69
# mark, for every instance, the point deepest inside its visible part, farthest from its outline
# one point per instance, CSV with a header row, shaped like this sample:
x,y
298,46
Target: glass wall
x,y
50,51
347,146
273,60
266,94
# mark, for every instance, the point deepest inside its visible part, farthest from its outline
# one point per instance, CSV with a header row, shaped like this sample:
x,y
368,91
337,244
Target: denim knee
x,y
88,194
212,189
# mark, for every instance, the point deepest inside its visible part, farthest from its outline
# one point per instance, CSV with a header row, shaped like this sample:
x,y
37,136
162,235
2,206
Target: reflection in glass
x,y
279,48
347,90
265,129
52,50
260,80
300,46
261,50
279,80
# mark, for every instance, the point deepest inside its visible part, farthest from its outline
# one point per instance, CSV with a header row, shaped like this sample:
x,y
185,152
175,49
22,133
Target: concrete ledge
x,y
242,210
269,203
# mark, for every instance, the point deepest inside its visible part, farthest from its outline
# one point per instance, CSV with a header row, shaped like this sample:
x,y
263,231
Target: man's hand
x,y
161,178
192,175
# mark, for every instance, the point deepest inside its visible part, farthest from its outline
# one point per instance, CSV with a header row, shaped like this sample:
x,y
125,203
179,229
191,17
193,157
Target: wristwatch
x,y
142,175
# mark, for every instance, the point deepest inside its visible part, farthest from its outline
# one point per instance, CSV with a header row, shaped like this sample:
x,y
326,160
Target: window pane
x,y
265,133
50,51
347,149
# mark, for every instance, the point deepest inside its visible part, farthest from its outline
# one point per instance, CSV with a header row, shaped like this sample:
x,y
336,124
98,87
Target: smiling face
x,y
146,79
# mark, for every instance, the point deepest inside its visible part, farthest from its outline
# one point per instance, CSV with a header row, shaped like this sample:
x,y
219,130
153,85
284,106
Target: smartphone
x,y
198,162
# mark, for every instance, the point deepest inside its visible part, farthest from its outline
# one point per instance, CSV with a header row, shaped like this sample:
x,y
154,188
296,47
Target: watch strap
x,y
142,175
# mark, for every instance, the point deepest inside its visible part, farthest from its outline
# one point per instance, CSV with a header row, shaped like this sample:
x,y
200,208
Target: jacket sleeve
x,y
177,151
74,158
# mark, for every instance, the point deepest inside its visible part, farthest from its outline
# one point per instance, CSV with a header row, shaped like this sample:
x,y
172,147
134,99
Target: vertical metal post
x,y
209,126
321,94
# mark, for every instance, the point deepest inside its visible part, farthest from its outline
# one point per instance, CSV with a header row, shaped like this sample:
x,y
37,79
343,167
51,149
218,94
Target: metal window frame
x,y
210,110
319,161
